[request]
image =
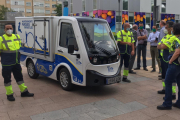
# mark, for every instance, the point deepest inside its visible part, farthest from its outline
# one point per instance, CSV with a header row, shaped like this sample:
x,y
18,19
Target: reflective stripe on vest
x,y
6,41
122,36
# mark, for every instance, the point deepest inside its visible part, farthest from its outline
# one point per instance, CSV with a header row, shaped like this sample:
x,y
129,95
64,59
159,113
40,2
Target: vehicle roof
x,y
78,18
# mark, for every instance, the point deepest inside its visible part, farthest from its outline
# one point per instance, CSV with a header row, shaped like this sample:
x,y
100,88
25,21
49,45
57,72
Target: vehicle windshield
x,y
98,37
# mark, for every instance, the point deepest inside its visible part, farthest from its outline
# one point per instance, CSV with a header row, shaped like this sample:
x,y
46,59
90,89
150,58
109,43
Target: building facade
x,y
132,11
32,7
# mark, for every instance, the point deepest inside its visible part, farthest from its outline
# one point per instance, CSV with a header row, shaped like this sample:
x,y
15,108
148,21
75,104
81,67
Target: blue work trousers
x,y
172,75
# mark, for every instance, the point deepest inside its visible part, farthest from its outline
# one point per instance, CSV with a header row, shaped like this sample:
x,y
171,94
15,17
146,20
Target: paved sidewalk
x,y
123,101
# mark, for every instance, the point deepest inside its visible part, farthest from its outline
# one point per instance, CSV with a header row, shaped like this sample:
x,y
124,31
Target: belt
x,y
153,46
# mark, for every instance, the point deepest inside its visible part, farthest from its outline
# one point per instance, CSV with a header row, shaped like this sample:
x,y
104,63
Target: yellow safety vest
x,y
9,48
125,37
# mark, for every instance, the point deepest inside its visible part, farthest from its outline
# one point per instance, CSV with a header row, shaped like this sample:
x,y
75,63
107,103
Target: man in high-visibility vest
x,y
10,60
126,47
173,71
165,46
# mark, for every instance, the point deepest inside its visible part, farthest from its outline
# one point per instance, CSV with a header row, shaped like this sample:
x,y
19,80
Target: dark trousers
x,y
132,59
164,67
125,59
172,75
141,48
15,69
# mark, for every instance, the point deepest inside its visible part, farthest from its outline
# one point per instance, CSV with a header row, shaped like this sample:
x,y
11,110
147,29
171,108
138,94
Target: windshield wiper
x,y
90,41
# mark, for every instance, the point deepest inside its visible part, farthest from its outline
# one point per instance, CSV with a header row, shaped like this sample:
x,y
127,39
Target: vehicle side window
x,y
67,36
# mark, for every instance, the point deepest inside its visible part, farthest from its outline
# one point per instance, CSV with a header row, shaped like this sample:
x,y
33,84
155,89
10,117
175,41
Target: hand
x,y
130,44
156,41
170,62
132,53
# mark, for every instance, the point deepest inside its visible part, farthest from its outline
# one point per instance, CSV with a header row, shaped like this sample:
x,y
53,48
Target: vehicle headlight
x,y
94,60
117,57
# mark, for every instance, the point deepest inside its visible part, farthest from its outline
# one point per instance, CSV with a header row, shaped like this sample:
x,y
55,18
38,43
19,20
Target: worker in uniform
x,y
164,46
10,60
126,47
173,72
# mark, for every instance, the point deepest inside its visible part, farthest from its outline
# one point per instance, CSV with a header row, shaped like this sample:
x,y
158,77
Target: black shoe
x,y
160,76
137,68
161,107
161,92
126,80
132,72
173,97
145,69
27,94
175,105
10,98
153,70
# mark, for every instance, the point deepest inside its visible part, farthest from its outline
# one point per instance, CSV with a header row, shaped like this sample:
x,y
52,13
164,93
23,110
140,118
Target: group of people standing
x,y
164,47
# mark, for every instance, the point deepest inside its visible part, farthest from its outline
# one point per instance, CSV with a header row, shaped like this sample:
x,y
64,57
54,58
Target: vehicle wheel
x,y
31,70
65,79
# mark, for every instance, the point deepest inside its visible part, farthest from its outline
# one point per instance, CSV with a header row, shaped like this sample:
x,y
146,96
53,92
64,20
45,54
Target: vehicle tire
x,y
31,70
65,79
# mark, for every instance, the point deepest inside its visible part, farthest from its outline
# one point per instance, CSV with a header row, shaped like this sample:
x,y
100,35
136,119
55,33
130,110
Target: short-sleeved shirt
x,y
143,32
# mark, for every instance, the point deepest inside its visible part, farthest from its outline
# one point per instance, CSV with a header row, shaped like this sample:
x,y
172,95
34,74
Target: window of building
x,y
118,21
131,19
54,12
41,10
53,5
46,0
28,3
152,5
47,11
71,8
16,3
148,22
47,5
36,3
28,10
7,2
163,6
21,3
15,9
21,9
95,4
118,18
125,4
41,4
83,5
67,36
36,10
53,0
177,18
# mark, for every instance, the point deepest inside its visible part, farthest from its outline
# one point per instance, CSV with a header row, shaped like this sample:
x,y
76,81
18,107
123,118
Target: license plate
x,y
113,80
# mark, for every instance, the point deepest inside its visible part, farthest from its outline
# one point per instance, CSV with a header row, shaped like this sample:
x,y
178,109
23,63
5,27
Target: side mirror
x,y
70,49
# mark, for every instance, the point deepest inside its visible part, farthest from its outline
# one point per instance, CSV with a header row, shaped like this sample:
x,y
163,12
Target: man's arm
x,y
175,56
125,43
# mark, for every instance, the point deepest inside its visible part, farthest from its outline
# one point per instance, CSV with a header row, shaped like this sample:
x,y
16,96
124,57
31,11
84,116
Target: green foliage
x,y
3,11
58,10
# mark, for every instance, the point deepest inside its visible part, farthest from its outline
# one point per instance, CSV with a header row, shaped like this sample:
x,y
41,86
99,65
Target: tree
x,y
3,11
58,10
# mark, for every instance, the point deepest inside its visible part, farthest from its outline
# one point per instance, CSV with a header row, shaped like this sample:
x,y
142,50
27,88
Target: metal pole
x,y
32,8
154,13
119,15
